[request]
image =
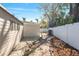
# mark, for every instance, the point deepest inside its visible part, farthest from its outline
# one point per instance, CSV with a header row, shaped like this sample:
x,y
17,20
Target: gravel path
x,y
43,47
19,49
42,50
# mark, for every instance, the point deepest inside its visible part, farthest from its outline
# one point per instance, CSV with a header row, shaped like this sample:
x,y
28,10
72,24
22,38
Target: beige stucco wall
x,y
31,30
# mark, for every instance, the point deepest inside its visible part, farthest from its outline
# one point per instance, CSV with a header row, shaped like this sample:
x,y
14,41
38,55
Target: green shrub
x,y
62,21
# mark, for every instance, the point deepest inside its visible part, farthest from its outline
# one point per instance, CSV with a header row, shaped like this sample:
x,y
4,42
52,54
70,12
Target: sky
x,y
30,11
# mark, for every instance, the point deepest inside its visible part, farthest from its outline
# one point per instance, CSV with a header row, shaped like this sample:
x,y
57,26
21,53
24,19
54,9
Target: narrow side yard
x,y
44,47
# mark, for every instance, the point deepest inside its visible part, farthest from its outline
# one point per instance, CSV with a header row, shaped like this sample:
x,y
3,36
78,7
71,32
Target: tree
x,y
31,21
61,14
48,11
71,9
24,19
36,20
74,10
43,23
53,12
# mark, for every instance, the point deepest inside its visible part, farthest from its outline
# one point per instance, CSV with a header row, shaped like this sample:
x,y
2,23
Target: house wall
x,y
10,32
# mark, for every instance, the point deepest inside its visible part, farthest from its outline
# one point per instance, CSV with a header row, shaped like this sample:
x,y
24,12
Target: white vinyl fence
x,y
68,33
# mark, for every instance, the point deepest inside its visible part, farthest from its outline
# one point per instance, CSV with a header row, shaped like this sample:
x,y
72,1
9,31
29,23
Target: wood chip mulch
x,y
60,48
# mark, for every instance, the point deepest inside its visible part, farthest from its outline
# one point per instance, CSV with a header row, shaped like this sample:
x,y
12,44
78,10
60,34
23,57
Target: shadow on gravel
x,y
36,44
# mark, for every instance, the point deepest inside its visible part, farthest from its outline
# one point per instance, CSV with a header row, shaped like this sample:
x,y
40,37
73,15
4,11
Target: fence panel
x,y
68,33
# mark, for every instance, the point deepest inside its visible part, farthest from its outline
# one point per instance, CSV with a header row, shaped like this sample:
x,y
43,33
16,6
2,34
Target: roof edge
x,y
10,13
